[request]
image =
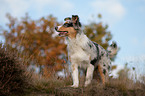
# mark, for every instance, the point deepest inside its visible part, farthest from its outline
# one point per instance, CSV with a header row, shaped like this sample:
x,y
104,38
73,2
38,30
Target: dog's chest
x,y
79,56
77,51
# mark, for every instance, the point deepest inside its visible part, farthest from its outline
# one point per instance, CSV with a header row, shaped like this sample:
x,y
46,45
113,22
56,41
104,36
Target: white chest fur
x,y
80,52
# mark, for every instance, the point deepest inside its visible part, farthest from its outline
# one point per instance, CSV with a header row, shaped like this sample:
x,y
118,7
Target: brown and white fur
x,y
83,53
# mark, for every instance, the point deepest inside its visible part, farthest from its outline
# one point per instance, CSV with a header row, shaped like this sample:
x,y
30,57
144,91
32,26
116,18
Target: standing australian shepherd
x,y
83,53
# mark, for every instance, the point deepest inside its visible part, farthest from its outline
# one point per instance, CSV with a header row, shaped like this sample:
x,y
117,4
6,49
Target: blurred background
x,y
122,21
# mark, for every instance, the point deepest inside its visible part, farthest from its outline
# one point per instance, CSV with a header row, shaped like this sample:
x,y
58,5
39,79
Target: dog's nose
x,y
56,28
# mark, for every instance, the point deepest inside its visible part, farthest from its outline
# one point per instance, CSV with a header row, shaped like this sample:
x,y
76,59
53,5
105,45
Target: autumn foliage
x,y
37,42
98,33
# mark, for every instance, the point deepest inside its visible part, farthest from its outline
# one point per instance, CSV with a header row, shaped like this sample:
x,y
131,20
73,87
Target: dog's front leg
x,y
89,74
74,69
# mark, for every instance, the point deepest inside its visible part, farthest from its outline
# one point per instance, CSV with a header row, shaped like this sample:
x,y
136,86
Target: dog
x,y
84,53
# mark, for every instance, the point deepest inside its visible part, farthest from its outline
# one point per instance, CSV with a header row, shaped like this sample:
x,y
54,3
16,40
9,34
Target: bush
x,y
13,76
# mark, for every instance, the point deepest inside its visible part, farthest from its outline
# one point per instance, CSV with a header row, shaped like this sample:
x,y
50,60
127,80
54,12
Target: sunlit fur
x,y
83,53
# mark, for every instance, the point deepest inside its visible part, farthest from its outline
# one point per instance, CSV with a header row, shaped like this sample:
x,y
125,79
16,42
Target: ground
x,y
61,88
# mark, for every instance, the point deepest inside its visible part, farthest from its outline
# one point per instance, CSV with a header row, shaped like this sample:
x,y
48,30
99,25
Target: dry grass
x,y
16,81
60,87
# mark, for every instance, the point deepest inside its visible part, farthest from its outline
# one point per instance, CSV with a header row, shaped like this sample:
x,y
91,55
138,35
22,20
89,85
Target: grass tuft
x,y
14,79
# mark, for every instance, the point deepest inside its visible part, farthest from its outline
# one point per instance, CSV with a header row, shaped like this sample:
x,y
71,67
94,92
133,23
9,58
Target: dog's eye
x,y
65,25
68,25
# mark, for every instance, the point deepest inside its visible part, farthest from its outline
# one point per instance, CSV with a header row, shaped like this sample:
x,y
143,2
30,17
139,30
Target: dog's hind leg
x,y
89,74
102,73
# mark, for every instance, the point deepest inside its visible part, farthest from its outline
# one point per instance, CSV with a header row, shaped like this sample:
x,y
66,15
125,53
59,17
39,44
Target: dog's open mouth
x,y
62,33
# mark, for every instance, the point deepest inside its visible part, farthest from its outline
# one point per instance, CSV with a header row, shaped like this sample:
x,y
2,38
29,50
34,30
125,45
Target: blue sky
x,y
126,20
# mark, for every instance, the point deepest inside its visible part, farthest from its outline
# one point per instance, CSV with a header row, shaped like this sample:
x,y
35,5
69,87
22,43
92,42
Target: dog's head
x,y
70,27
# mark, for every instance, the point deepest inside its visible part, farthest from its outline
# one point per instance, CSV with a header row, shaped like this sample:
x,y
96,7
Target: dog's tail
x,y
112,50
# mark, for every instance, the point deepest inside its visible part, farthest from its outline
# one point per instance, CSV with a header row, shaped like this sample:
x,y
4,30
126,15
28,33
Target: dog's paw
x,y
86,85
74,86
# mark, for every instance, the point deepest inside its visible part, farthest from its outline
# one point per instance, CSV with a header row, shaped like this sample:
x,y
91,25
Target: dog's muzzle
x,y
61,33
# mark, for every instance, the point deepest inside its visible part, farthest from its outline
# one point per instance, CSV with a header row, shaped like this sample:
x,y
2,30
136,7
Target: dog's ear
x,y
67,18
76,22
114,44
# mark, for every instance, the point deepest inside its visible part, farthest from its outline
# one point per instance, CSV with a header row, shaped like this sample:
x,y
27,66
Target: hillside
x,y
60,87
16,80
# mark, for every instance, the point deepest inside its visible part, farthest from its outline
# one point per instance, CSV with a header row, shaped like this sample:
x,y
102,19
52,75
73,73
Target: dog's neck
x,y
80,40
78,35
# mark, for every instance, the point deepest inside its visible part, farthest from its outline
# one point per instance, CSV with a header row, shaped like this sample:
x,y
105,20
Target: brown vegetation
x,y
14,79
61,87
36,41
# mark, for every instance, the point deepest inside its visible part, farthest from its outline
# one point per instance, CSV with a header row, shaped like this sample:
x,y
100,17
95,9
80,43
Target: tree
x,y
98,33
36,41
